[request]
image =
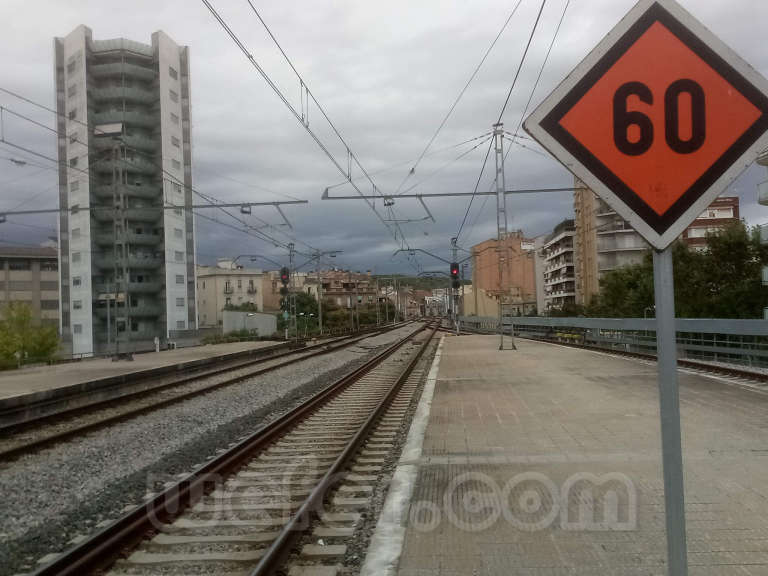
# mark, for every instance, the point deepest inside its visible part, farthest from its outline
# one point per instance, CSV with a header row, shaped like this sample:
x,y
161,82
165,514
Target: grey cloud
x,y
385,72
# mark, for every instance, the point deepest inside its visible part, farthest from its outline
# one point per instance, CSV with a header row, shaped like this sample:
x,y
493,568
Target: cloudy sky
x,y
386,73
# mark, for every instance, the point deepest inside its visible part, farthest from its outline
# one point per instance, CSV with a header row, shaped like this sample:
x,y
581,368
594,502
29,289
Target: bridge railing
x,y
731,341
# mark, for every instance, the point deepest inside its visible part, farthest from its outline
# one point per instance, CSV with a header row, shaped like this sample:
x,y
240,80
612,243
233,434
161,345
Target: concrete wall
x,y
262,324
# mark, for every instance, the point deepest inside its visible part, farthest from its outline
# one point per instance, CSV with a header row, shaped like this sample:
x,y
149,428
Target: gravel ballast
x,y
55,495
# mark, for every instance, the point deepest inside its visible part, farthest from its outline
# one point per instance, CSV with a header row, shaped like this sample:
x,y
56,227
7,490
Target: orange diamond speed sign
x,y
658,119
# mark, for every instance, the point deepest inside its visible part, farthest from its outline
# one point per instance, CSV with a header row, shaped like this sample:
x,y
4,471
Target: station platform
x,y
45,381
546,461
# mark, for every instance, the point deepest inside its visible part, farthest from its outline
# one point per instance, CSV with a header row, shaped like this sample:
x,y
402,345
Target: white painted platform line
x,y
386,545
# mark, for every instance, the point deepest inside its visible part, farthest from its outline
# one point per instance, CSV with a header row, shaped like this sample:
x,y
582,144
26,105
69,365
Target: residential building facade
x,y
604,241
31,275
559,267
271,285
722,212
517,285
125,158
345,288
224,285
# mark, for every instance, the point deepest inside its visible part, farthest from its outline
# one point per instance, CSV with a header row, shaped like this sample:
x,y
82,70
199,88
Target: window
x,y
180,325
228,302
49,285
72,114
76,281
77,328
178,256
177,187
71,67
174,118
175,141
179,301
77,304
19,264
72,90
73,162
174,96
177,211
73,138
75,257
49,266
179,278
178,232
176,164
172,73
203,284
134,325
239,283
19,285
74,186
75,235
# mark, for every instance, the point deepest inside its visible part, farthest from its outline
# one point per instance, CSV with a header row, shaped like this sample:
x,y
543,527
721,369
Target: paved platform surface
x,y
29,380
504,485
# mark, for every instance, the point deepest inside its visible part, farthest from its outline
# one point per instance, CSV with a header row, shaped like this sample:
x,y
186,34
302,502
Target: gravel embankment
x,y
55,495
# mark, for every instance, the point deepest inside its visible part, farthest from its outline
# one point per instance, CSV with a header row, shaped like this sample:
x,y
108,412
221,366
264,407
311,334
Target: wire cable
x,y
501,114
458,98
304,120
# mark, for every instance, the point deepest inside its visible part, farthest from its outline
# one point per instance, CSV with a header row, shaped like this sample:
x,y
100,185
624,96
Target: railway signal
x,y
455,282
658,120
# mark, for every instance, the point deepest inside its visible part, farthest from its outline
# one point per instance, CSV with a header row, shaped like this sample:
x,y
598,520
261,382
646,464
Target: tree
x,y
21,340
722,281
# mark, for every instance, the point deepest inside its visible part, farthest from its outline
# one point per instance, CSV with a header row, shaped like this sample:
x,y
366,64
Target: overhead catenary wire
x,y
303,120
501,114
458,98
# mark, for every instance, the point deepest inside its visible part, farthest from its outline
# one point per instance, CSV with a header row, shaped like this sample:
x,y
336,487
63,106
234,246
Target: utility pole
x,y
292,295
454,292
378,316
501,221
357,311
386,306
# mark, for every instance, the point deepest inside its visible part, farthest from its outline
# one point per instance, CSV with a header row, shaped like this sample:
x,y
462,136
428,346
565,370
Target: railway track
x,y
305,476
47,430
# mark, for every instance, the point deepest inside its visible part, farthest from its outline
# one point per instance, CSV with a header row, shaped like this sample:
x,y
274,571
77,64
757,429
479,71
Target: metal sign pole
x,y
672,454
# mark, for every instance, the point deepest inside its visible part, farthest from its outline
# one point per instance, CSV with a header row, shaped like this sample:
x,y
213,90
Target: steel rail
x,y
309,510
100,550
314,350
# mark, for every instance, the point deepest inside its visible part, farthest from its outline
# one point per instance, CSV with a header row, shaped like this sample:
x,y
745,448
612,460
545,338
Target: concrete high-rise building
x,y
559,275
124,157
603,241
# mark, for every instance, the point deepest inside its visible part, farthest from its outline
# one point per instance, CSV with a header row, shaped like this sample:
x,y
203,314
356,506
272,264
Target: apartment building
x,y
31,275
343,287
271,285
722,212
126,225
225,285
559,266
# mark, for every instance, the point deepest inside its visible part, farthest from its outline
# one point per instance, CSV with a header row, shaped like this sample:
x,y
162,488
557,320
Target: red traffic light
x,y
454,270
285,275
